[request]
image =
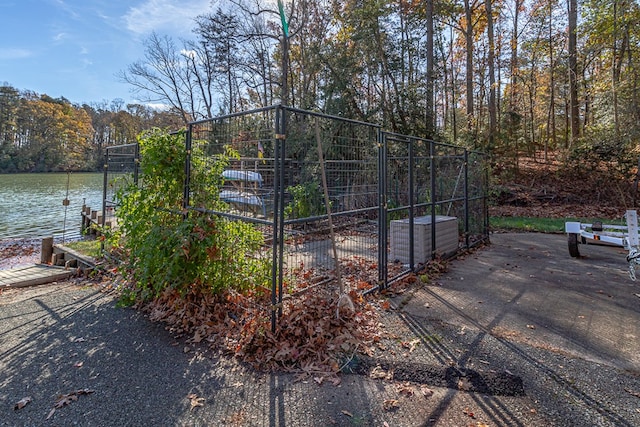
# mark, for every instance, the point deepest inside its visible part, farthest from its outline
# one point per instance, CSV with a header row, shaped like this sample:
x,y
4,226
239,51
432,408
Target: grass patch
x,y
540,225
90,248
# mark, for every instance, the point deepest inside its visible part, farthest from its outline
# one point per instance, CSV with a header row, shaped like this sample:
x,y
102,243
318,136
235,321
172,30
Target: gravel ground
x,y
489,350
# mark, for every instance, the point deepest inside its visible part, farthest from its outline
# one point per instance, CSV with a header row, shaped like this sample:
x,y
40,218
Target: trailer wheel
x,y
573,245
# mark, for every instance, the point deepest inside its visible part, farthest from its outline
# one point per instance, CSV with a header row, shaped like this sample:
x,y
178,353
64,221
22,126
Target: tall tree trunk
x,y
573,70
615,70
514,70
492,78
514,57
429,114
551,126
469,65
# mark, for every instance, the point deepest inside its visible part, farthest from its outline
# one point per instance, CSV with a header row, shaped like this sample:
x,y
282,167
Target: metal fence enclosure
x,y
324,188
340,203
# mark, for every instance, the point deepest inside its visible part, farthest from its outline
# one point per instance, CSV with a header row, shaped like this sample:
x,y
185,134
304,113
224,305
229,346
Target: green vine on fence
x,y
166,247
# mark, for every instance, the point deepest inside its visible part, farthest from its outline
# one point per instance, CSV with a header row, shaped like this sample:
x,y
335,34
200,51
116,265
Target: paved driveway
x,y
515,334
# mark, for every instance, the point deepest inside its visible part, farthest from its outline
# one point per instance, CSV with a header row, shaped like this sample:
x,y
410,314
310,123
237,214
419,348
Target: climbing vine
x,y
166,247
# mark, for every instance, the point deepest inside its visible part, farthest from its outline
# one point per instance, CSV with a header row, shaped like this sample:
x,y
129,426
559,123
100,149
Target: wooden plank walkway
x,y
37,274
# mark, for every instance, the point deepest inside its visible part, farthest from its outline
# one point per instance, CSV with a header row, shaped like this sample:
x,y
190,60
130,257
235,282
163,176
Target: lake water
x,y
31,205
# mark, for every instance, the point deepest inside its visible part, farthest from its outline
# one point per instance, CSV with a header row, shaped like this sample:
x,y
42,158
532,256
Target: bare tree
x,y
163,76
217,58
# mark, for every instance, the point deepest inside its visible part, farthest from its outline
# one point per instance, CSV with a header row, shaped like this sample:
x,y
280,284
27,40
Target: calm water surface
x,y
31,204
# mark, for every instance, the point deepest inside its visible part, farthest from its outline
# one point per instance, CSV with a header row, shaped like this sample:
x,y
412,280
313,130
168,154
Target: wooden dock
x,y
92,220
37,274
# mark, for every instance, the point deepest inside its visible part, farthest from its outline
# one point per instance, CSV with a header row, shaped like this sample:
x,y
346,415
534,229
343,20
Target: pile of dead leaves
x,y
314,335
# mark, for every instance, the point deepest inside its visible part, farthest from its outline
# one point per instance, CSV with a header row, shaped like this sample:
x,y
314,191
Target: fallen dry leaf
x,y
426,391
22,403
469,413
347,413
390,404
405,389
78,364
195,401
379,373
66,399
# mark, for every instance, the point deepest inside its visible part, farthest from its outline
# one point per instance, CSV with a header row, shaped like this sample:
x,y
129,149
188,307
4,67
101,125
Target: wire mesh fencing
x,y
341,204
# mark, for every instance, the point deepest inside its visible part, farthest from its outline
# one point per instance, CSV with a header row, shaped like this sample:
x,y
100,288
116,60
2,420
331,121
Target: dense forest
x,y
42,134
535,79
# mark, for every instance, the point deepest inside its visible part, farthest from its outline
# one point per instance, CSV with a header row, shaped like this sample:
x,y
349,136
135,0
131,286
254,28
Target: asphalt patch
x,y
470,380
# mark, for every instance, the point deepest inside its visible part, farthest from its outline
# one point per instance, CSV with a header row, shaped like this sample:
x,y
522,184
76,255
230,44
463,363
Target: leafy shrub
x,y
308,201
167,247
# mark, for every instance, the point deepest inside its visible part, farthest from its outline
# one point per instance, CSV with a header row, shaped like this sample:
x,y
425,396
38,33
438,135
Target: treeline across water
x,y
39,133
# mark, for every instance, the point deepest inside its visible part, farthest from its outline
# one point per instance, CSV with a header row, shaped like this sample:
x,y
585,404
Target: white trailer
x,y
625,236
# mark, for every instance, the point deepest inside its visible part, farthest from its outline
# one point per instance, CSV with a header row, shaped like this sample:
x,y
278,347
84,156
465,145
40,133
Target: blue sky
x,y
75,48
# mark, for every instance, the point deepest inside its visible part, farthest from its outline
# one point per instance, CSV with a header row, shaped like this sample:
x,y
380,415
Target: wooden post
x,y
46,250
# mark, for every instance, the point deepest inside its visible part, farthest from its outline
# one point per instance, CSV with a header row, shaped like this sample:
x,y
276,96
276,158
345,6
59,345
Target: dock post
x,y
46,251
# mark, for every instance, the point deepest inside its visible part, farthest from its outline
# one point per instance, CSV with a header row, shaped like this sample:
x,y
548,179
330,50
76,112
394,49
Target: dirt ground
x,y
515,334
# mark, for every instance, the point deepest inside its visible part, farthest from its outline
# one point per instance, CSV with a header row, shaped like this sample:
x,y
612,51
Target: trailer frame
x,y
625,236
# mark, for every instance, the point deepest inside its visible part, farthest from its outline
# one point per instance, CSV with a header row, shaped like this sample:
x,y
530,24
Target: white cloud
x,y
59,37
161,15
14,53
158,106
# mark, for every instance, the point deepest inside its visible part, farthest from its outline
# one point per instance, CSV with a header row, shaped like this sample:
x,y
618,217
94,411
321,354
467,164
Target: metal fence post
x,y
282,140
136,163
383,227
466,198
412,203
187,174
278,217
105,182
432,177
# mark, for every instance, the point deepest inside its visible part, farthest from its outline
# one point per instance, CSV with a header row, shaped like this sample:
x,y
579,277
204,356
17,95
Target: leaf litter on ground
x,y
309,339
